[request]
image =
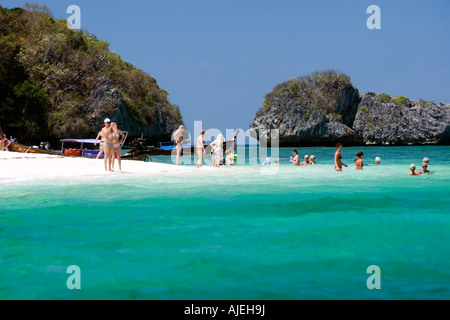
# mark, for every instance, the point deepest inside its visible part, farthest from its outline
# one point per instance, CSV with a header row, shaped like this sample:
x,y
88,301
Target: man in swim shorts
x,y
108,145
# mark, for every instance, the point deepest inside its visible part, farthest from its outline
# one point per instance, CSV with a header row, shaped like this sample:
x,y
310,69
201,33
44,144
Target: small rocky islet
x,y
323,108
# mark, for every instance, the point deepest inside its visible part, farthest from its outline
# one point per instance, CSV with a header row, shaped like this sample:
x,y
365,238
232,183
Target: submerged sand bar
x,y
21,166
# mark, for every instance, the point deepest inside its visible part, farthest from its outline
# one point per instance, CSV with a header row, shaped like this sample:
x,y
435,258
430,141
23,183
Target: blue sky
x,y
218,59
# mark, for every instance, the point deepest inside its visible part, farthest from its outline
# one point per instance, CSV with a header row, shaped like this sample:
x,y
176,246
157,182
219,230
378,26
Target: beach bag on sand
x,y
4,144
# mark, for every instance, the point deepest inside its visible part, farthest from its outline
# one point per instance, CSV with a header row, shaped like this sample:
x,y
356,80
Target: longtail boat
x,y
17,147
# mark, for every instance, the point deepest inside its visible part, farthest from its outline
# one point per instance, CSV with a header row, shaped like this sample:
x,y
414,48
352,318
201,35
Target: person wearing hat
x,y
312,160
377,160
107,145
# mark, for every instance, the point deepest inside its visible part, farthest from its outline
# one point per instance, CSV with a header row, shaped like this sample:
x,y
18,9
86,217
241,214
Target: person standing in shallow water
x,y
338,158
359,160
425,169
296,159
306,162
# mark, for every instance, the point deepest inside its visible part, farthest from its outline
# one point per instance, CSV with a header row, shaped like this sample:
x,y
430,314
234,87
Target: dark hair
x,y
203,132
359,154
339,144
295,151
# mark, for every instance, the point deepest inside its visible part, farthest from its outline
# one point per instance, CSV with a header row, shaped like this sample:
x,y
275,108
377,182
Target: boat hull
x,y
17,147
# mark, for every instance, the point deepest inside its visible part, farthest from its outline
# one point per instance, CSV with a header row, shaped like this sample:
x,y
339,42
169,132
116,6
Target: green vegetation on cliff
x,y
317,91
47,74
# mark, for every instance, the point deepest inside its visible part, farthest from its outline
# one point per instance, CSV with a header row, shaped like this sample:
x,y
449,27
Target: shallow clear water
x,y
236,232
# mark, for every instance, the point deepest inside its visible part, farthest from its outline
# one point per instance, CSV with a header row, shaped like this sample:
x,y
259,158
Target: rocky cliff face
x,y
107,101
319,110
344,115
389,123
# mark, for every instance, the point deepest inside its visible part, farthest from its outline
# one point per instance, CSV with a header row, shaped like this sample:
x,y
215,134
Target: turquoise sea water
x,y
235,232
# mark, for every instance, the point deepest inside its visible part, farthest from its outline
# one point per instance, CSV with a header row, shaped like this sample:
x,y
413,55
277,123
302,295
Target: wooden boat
x,y
17,147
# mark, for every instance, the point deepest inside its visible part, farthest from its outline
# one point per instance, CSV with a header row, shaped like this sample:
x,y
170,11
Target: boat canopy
x,y
81,140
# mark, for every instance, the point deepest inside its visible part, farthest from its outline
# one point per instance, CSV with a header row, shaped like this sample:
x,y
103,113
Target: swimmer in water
x,y
377,160
306,162
424,169
267,162
413,169
359,160
312,160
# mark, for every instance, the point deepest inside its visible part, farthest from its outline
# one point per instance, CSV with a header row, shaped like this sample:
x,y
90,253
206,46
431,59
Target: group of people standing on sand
x,y
111,144
217,151
217,148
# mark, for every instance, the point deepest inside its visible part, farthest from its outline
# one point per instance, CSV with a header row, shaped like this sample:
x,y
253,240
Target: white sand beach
x,y
22,167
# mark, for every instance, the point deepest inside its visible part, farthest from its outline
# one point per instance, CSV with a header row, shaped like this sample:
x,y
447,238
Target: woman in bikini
x,y
359,160
338,158
296,159
117,137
